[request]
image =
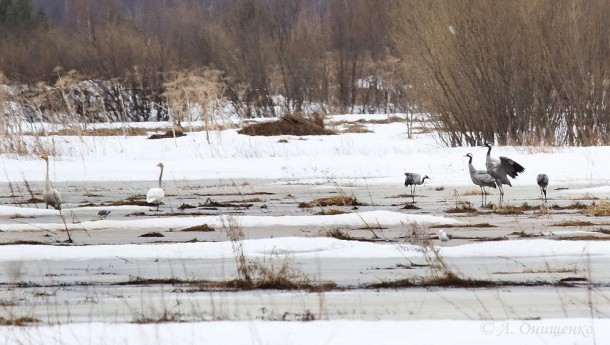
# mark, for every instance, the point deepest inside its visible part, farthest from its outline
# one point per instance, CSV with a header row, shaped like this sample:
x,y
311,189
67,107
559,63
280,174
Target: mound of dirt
x,y
287,125
168,134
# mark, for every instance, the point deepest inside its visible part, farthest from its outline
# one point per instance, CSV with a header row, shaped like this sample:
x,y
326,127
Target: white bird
x,y
481,178
50,195
543,182
443,236
501,168
413,180
155,195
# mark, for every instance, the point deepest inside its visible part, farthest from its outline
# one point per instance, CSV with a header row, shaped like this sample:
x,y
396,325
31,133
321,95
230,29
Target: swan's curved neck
x,y
160,176
48,183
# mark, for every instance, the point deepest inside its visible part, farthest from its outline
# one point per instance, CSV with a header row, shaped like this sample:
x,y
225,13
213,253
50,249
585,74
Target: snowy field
x,y
84,292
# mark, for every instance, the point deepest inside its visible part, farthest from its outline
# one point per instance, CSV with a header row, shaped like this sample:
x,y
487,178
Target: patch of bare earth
x,y
294,124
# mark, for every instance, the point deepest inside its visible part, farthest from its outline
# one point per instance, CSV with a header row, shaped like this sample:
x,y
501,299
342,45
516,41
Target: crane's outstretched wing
x,y
511,167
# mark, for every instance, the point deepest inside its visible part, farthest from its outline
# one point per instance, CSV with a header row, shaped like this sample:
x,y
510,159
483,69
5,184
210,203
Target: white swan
x,y
156,195
51,196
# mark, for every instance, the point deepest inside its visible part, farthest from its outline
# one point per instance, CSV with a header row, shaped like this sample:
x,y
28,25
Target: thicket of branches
x,y
518,72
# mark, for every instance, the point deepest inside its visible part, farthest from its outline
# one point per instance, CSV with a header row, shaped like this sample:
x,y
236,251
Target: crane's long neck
x,y
160,176
489,151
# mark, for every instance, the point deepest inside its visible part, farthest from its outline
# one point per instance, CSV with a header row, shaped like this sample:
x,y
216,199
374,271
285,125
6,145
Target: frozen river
x,y
125,289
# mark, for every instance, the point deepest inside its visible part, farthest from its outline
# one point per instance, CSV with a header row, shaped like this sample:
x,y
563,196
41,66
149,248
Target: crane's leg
x,y
482,195
413,193
544,190
501,193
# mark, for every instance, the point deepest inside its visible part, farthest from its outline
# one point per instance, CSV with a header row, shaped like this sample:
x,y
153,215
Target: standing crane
x,y
413,180
543,182
481,178
501,168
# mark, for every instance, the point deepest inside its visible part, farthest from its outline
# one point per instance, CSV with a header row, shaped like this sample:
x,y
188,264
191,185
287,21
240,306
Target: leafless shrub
x,y
198,90
484,84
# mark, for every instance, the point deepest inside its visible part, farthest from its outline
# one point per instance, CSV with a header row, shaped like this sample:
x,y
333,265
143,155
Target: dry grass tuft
x,y
356,128
166,135
410,206
522,234
462,207
135,200
476,225
598,210
472,192
584,238
573,223
332,201
514,210
20,321
152,234
574,206
330,212
202,228
339,234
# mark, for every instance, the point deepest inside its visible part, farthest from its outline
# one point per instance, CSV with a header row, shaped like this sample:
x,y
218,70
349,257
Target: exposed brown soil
x,y
167,134
287,125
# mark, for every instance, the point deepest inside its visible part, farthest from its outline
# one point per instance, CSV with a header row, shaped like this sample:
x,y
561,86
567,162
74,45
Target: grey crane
x,y
481,178
413,180
543,182
102,214
501,168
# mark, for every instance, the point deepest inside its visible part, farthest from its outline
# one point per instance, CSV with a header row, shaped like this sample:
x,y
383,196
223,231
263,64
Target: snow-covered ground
x,y
380,157
376,158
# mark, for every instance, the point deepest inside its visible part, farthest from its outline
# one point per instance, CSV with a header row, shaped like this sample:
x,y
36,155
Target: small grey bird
x,y
481,178
500,169
413,180
543,182
102,214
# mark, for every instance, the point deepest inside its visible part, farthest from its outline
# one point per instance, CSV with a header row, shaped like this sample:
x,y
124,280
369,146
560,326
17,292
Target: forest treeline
x,y
513,72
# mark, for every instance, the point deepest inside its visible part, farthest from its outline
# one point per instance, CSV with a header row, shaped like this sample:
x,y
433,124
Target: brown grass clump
x,y
332,201
167,134
356,128
101,132
574,206
462,207
573,223
522,234
477,225
330,212
135,200
185,206
472,192
339,234
152,234
508,210
20,321
410,206
296,124
202,227
601,209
